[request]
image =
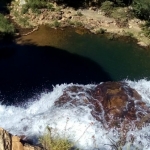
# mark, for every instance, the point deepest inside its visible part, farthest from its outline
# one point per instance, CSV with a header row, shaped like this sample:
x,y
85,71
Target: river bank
x,y
91,18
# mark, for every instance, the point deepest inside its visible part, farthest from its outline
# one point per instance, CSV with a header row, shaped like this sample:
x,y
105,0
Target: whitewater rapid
x,y
76,123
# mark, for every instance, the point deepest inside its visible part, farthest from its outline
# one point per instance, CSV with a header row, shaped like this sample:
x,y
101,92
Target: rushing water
x,y
76,123
30,71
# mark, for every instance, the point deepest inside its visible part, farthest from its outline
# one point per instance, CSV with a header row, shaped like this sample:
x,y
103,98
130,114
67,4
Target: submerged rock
x,y
114,104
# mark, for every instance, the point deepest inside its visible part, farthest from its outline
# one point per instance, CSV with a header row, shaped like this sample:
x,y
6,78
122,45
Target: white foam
x,y
32,120
76,123
142,137
142,87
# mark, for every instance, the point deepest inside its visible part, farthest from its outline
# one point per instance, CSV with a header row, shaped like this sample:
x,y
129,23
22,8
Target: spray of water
x,y
76,123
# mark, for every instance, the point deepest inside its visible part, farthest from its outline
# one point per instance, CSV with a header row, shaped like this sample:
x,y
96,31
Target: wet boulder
x,y
114,104
120,103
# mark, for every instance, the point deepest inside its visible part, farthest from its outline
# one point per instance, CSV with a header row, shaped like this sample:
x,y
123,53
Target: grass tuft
x,y
6,28
51,140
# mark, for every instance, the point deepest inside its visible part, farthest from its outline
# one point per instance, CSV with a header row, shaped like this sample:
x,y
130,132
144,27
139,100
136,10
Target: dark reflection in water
x,y
28,70
48,57
120,57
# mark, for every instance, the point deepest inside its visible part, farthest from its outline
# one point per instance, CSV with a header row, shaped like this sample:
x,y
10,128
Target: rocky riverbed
x,y
92,19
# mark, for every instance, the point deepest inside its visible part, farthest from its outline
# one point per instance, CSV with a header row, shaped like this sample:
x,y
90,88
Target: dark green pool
x,y
49,57
120,59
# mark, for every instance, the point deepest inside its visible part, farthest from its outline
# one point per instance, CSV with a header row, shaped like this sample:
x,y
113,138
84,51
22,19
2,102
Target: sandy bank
x,y
93,20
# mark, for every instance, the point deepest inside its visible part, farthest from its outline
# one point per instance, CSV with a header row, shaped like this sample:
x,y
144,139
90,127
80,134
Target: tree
x,y
141,9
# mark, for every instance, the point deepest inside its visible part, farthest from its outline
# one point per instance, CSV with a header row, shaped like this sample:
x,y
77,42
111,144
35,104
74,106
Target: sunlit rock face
x,y
11,142
5,140
114,104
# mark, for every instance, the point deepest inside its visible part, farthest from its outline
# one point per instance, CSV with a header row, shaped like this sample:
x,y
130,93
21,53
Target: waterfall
x,y
76,123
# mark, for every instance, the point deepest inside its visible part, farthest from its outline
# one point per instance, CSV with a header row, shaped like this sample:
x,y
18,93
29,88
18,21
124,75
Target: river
x,y
35,70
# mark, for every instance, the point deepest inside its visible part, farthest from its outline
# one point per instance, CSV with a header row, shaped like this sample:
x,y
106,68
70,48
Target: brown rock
x,y
16,144
50,17
88,26
33,17
114,104
119,102
43,10
10,142
41,17
60,12
69,16
76,18
5,140
93,8
29,147
58,17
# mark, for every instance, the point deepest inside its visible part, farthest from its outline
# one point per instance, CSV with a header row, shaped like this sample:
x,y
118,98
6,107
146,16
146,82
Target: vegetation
x,y
78,24
51,140
101,31
111,8
146,29
24,21
120,15
107,7
6,28
35,5
50,7
79,13
56,24
129,34
71,23
141,9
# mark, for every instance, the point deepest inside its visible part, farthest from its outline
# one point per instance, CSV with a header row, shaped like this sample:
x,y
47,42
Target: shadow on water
x,y
28,69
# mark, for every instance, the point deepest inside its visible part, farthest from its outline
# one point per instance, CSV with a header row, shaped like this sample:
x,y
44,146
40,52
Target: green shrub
x,y
141,9
36,11
51,140
122,22
50,7
5,26
107,7
56,24
58,9
34,5
120,3
16,13
37,4
78,24
25,8
24,21
79,13
111,37
128,34
118,13
101,31
70,22
146,29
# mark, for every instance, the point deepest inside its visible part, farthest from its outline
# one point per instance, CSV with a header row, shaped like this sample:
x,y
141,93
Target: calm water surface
x,y
49,57
119,59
